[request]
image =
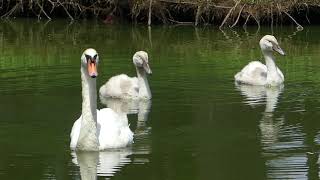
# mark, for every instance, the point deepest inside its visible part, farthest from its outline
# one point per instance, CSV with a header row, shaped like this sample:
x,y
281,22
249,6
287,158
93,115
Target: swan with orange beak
x,y
91,60
97,129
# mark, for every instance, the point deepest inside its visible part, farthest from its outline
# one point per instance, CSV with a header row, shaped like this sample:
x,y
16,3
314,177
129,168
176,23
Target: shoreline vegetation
x,y
221,13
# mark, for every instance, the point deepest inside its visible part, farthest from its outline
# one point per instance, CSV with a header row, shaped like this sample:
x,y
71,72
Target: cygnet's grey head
x,y
140,60
89,61
269,43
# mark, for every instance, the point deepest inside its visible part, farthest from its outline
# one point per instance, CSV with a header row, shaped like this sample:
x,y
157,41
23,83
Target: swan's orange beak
x,y
92,69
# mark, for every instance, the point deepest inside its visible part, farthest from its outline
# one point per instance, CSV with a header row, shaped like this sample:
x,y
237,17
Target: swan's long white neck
x,y
144,89
271,65
272,72
88,138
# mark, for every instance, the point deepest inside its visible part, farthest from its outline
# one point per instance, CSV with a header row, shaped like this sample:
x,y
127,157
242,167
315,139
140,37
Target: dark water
x,y
200,125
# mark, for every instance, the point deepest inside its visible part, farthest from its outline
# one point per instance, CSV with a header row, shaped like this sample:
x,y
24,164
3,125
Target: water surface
x,y
199,125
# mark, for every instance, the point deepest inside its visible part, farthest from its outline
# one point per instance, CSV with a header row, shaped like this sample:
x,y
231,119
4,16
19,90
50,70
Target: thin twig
x,y
149,15
53,5
271,20
238,16
197,15
229,13
299,27
6,15
66,11
245,23
258,23
42,10
307,11
179,22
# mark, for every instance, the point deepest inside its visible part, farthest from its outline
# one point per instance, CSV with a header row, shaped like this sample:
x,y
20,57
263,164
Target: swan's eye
x,y
269,44
87,57
95,57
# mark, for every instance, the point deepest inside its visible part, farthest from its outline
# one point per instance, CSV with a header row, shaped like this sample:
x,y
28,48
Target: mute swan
x,y
97,129
124,87
256,73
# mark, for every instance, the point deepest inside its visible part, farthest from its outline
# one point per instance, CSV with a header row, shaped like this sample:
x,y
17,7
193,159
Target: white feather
x,y
121,86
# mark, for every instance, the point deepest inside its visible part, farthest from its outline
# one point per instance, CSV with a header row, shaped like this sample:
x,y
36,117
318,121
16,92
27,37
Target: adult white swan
x,y
124,87
97,129
256,73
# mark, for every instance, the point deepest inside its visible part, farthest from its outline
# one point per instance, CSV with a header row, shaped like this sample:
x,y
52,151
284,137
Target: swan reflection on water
x,y
108,163
104,163
283,146
268,96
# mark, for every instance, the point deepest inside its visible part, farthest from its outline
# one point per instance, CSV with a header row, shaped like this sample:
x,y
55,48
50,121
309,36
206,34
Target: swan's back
x,y
120,86
113,129
255,73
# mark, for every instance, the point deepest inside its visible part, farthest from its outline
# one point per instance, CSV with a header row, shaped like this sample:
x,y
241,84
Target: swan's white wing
x,y
130,86
255,73
113,129
75,132
120,86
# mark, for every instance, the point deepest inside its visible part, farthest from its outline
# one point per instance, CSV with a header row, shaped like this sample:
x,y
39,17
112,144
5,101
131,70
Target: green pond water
x,y
199,125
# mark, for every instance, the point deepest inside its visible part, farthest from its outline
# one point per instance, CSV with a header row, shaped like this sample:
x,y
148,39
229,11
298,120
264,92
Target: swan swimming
x,y
97,129
125,87
256,73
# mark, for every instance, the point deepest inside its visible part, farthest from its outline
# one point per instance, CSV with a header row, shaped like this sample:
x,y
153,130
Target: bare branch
x,y
149,15
66,10
245,23
299,27
229,13
6,15
197,15
42,10
238,16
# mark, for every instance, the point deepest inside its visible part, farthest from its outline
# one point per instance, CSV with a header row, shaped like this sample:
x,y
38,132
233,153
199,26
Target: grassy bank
x,y
222,13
